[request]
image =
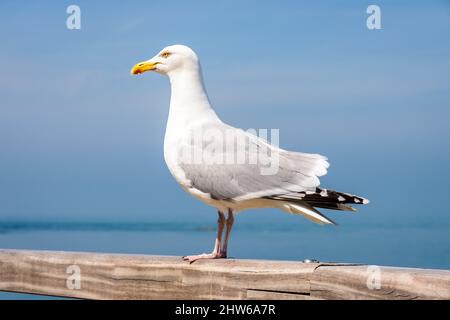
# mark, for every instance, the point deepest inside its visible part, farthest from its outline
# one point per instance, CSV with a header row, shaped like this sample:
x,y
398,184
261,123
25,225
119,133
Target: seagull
x,y
228,168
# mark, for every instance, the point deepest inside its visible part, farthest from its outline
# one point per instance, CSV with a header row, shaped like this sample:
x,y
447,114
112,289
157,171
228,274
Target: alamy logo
x,y
73,21
215,146
373,278
374,20
73,281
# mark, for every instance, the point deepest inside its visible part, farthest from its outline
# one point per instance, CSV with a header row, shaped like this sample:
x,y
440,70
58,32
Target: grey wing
x,y
243,166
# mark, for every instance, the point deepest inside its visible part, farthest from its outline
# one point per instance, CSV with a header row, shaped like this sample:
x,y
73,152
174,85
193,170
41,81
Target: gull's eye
x,y
165,54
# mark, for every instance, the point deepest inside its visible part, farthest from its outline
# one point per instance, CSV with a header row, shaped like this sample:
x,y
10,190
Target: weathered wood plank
x,y
375,282
110,276
114,276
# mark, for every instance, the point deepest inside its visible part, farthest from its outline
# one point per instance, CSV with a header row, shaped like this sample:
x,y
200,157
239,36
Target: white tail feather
x,y
307,211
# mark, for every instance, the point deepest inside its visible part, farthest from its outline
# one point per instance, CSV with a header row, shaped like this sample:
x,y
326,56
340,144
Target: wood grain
x,y
115,276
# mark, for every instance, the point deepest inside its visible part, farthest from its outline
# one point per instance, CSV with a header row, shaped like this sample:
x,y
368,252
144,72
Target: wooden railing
x,y
117,276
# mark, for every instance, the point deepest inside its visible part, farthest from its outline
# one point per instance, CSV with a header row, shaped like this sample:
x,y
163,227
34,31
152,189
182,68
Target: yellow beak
x,y
143,66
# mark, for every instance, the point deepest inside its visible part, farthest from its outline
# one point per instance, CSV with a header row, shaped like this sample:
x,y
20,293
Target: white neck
x,y
188,95
189,103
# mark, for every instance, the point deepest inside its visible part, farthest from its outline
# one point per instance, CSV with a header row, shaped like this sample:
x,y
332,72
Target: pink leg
x,y
217,251
230,221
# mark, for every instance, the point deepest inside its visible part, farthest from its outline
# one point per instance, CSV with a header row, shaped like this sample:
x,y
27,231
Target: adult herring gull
x,y
228,168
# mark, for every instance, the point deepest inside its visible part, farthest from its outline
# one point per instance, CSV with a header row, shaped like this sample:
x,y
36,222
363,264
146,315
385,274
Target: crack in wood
x,y
138,279
280,291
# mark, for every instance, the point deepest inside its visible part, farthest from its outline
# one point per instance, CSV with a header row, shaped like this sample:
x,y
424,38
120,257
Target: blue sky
x,y
82,139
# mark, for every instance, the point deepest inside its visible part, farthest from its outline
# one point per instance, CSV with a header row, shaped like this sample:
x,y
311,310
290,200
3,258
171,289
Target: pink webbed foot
x,y
212,255
220,250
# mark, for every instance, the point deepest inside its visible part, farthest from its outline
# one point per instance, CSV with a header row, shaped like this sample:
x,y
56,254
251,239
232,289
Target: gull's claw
x,y
196,257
